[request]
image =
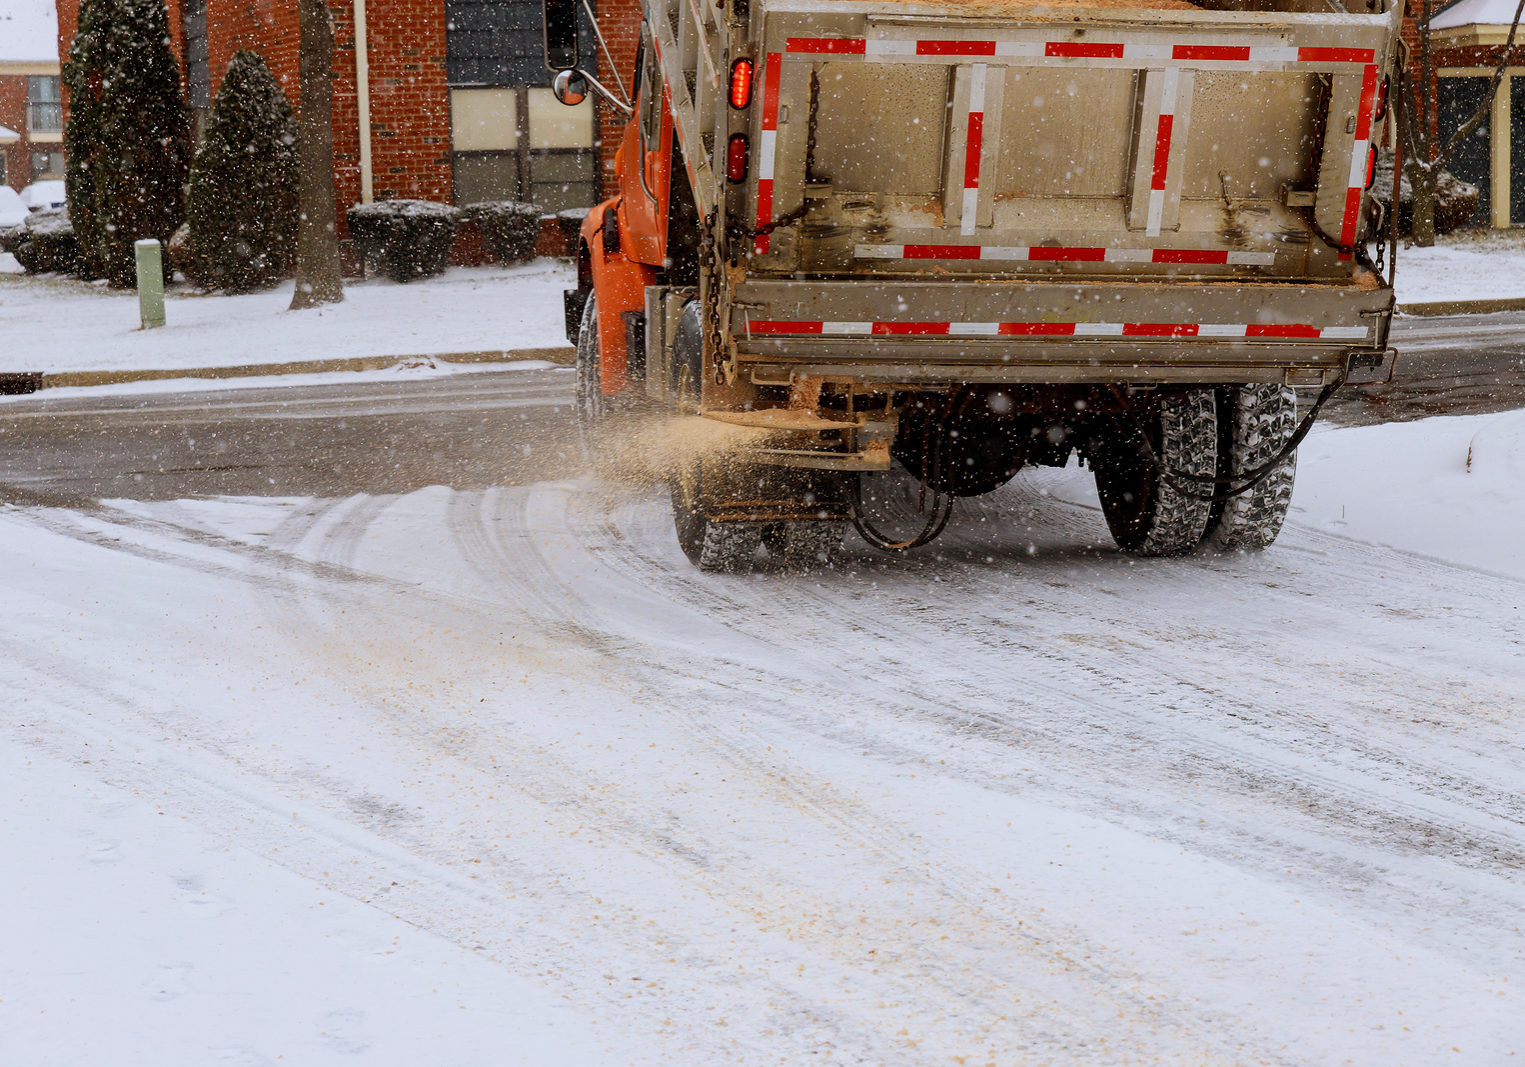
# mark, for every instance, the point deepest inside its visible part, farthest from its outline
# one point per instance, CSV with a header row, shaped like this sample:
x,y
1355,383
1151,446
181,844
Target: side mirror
x,y
560,34
570,87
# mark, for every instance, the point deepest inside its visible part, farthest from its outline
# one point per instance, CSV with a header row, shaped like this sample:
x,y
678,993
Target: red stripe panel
x,y
909,329
1071,50
1031,329
1352,216
771,71
1189,255
1335,55
764,212
972,153
1162,152
1068,255
782,326
1297,330
1211,51
831,46
955,48
942,252
1368,104
1159,329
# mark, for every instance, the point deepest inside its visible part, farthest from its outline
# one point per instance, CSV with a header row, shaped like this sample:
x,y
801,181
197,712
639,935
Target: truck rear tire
x,y
1255,423
804,544
727,547
1145,509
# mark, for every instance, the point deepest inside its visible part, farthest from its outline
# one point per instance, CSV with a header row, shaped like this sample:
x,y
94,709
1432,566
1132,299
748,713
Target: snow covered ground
x,y
1487,265
458,778
54,324
1450,488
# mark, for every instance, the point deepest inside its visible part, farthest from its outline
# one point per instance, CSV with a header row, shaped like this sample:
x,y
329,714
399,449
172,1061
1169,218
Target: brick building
x,y
444,100
31,119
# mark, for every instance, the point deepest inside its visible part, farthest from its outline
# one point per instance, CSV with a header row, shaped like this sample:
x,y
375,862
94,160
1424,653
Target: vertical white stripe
x,y
1168,86
1358,165
1156,215
766,147
971,208
977,87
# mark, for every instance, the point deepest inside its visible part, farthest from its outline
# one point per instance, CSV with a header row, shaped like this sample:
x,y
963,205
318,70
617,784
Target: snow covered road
x,y
554,795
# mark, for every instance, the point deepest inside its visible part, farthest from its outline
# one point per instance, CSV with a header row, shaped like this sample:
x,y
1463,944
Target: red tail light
x,y
736,158
741,83
1381,110
1371,165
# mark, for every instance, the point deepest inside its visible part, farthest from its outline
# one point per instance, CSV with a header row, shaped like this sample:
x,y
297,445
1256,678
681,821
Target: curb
x,y
561,355
1463,307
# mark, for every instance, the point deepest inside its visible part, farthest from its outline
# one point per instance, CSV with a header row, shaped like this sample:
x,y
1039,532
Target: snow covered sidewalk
x,y
59,325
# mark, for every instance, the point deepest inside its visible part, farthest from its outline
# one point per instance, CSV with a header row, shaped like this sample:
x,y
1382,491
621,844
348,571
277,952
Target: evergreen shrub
x,y
242,205
45,243
127,142
509,228
404,239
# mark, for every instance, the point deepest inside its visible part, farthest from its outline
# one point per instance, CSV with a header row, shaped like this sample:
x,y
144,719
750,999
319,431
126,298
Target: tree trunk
x,y
317,240
1424,183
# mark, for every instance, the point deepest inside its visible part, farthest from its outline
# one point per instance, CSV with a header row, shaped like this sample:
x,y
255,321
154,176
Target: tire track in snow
x,y
319,530
1244,766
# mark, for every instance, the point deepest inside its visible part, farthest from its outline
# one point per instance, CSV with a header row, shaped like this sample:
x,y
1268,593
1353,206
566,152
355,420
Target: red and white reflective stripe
x,y
1259,331
1041,254
974,139
1170,82
1358,153
767,148
1188,54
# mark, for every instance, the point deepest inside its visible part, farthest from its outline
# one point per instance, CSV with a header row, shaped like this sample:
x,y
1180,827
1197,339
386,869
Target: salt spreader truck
x,y
966,236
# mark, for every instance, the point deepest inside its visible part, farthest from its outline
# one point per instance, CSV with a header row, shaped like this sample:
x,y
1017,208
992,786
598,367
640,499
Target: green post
x,y
150,282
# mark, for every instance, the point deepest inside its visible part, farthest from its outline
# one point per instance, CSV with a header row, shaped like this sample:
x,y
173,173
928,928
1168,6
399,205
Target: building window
x,y
46,165
44,110
521,144
511,140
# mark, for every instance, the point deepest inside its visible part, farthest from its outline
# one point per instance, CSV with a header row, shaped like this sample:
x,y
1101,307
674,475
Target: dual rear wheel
x,y
1164,480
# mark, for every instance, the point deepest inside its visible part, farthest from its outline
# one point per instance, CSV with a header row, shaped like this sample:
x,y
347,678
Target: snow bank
x,y
58,324
1451,488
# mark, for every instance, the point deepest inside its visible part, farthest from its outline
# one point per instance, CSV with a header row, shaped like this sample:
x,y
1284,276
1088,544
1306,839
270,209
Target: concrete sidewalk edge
x,y
560,354
1463,307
